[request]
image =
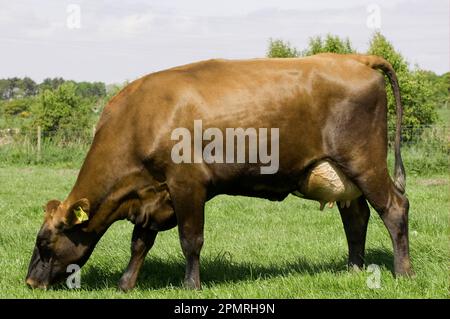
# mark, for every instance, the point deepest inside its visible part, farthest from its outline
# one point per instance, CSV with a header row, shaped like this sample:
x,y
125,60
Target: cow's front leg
x,y
141,242
355,219
189,203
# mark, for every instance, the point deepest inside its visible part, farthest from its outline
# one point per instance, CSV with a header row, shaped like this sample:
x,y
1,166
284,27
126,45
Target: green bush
x,y
440,87
90,90
62,112
331,43
17,107
428,155
281,49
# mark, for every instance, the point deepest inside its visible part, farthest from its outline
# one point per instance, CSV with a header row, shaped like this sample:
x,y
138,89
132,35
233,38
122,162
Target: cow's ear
x,y
51,206
77,213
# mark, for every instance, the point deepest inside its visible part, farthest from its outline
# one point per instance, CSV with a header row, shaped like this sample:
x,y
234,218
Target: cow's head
x,y
60,242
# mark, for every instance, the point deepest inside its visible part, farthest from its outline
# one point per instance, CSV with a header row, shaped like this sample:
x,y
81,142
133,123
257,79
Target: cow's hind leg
x,y
355,219
141,242
395,218
392,206
189,203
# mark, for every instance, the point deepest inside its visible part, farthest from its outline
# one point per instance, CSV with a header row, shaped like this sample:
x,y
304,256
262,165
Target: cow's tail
x,y
377,62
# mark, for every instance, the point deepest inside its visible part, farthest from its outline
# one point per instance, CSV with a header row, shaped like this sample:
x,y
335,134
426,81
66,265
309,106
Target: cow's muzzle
x,y
38,272
31,283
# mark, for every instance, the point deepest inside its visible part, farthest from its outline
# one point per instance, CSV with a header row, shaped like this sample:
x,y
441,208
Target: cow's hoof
x,y
409,273
191,284
125,285
404,269
354,268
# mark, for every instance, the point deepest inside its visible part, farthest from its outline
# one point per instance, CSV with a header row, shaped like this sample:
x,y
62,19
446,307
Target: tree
x,y
10,88
50,84
446,80
441,87
331,43
415,87
4,85
29,87
280,49
16,106
91,89
62,111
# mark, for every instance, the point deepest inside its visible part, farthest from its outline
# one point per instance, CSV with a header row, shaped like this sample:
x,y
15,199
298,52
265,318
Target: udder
x,y
326,183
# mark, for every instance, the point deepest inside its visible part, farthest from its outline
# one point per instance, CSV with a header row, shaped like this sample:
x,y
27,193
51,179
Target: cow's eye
x,y
45,254
44,249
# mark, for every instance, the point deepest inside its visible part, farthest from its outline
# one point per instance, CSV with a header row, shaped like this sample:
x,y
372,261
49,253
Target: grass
x,y
23,152
444,115
427,152
253,248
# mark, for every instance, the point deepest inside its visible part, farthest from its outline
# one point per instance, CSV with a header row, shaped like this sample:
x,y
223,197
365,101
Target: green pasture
x,y
253,248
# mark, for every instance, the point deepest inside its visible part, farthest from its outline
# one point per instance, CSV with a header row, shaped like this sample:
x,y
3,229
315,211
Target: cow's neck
x,y
107,176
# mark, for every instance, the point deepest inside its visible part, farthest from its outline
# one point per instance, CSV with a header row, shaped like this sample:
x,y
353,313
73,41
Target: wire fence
x,y
34,145
35,135
413,135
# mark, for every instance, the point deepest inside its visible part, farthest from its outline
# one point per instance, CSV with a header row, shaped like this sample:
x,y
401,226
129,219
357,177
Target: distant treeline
x,y
58,106
65,107
12,88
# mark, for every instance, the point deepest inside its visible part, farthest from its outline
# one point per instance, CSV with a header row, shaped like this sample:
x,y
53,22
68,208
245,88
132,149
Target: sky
x,y
114,41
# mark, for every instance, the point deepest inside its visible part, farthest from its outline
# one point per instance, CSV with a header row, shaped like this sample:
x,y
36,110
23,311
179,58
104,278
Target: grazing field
x,y
253,248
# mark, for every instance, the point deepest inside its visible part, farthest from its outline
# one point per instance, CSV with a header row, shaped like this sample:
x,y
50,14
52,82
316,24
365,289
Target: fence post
x,y
38,143
93,130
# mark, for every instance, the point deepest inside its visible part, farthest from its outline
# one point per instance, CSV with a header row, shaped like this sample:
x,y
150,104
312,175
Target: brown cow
x,y
331,113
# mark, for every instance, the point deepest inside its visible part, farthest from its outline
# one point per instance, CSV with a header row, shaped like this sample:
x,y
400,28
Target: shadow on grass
x,y
157,273
381,257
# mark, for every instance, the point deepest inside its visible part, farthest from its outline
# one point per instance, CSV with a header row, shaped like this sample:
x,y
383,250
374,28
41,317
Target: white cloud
x,y
119,40
129,25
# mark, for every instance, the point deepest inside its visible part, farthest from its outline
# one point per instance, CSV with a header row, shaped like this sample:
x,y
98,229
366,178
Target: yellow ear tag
x,y
81,215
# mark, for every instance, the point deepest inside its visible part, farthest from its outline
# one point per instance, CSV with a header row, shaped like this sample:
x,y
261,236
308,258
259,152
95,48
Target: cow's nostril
x,y
34,284
31,283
